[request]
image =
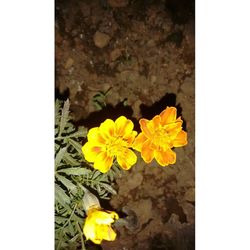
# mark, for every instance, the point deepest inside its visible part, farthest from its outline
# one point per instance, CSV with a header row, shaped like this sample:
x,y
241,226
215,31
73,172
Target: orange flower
x,y
159,135
110,140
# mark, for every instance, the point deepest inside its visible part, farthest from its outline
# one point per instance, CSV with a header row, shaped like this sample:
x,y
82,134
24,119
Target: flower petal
x,y
156,122
105,217
107,128
168,115
126,159
139,140
89,230
181,139
147,152
103,162
172,129
106,232
95,137
90,151
130,138
165,158
124,126
149,127
144,124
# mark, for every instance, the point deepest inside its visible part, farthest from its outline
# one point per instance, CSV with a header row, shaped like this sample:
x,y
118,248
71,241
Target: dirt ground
x,y
135,58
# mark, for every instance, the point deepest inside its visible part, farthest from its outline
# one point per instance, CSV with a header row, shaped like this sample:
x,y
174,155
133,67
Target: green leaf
x,y
57,106
110,175
71,229
77,218
75,171
66,182
57,147
60,220
103,178
117,170
98,105
81,132
61,196
64,116
105,197
56,130
70,128
96,175
59,156
109,188
98,188
70,160
99,95
81,213
60,200
76,145
74,238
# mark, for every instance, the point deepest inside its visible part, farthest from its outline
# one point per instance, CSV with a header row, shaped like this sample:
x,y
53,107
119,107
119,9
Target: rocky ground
x,y
134,58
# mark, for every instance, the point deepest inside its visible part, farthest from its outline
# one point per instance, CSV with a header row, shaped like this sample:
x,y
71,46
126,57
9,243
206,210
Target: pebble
x,y
151,43
135,181
153,79
190,195
188,86
68,63
101,39
115,54
143,210
132,183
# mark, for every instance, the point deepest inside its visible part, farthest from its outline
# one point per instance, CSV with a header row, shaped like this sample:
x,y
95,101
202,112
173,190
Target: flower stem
x,y
80,232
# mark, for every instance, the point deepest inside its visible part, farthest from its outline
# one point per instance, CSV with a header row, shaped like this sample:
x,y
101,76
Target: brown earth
x,y
142,54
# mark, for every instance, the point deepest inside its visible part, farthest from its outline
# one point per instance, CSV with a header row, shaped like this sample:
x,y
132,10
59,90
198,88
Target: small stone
x,y
143,210
173,85
135,181
145,91
174,219
115,54
118,3
151,43
188,86
153,79
190,195
68,63
189,210
101,39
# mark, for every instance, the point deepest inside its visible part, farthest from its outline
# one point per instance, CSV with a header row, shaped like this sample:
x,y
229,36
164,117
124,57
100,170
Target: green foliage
x,y
72,175
99,100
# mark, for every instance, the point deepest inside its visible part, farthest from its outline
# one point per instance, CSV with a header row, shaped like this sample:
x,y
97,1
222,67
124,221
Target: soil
x,y
134,58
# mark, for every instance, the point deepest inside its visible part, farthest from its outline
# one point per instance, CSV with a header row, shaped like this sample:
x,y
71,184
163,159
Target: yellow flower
x,y
111,139
159,135
97,225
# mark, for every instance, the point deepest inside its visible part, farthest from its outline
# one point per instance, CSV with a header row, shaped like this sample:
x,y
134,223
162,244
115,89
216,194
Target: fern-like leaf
x,y
64,117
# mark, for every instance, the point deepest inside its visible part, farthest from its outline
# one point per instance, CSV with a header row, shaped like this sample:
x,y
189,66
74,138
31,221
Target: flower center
x,y
161,138
115,145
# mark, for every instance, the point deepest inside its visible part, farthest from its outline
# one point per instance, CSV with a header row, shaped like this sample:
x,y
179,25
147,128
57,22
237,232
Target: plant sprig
x,y
72,174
